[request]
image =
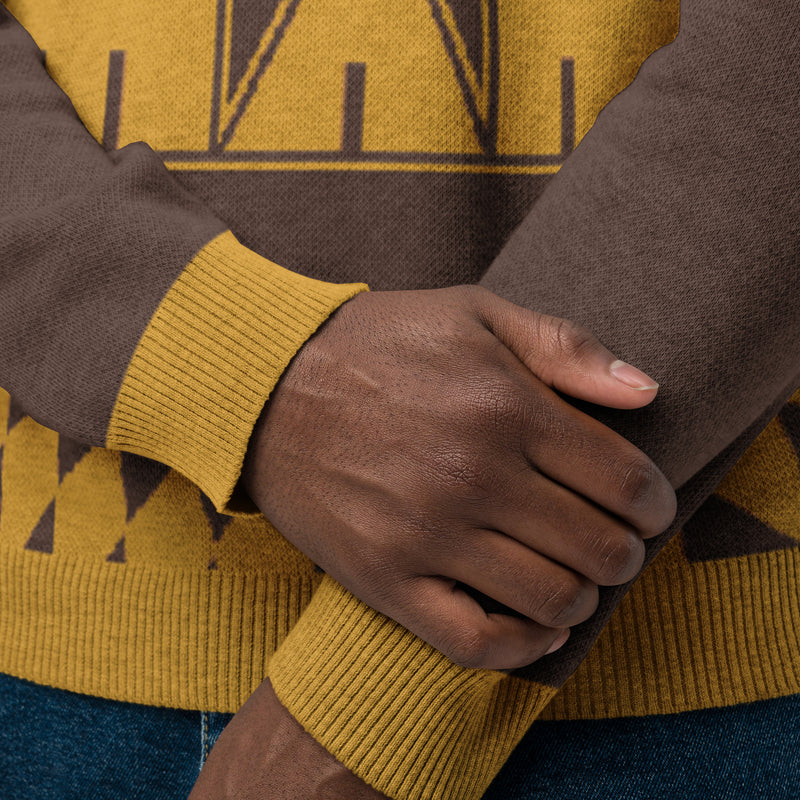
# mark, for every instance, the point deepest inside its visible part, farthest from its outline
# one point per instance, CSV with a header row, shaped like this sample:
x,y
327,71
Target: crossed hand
x,y
414,448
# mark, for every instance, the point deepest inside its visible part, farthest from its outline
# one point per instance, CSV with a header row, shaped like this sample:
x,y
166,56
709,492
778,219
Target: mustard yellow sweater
x,y
398,144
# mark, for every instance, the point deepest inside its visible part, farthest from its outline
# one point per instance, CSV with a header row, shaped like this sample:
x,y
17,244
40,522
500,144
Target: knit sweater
x,y
193,146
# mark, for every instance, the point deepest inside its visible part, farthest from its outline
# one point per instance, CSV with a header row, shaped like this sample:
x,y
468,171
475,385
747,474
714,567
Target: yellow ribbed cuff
x,y
394,710
209,358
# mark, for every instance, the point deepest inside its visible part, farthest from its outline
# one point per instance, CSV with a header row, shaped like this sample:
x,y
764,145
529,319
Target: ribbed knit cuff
x,y
209,358
394,710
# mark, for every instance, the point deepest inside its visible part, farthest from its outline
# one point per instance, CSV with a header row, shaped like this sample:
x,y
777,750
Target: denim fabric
x,y
56,745
745,752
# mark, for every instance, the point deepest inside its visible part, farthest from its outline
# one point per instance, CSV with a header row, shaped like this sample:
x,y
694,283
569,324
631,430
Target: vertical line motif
x,y
567,106
226,135
216,89
478,122
355,74
116,69
494,79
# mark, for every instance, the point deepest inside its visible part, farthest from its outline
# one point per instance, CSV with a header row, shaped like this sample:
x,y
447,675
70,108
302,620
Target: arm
x,y
120,289
700,162
680,207
151,329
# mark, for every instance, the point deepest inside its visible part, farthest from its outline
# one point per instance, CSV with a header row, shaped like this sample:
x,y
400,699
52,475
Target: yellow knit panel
x,y
193,639
607,39
766,481
92,518
396,711
27,492
414,101
210,357
693,636
169,63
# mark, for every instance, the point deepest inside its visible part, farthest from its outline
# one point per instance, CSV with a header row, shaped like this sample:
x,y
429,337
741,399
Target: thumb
x,y
567,356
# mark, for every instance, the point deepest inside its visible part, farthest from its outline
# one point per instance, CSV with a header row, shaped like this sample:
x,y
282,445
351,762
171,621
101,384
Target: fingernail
x,y
562,637
632,377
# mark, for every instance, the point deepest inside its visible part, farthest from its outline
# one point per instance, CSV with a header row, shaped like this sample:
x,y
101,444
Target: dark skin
x,y
415,446
264,753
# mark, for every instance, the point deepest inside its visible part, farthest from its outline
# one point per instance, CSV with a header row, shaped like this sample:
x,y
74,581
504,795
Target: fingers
x,y
524,580
454,623
565,355
565,528
585,456
567,445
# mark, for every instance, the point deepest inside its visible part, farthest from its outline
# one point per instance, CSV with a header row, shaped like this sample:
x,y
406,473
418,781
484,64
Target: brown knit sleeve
x,y
129,316
672,232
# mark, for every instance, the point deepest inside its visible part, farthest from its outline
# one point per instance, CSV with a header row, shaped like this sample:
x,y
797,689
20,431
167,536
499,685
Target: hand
x,y
264,754
413,446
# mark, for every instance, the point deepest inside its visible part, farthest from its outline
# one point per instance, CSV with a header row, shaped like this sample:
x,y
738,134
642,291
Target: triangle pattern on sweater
x,y
70,453
790,419
217,521
41,539
117,555
15,414
140,478
469,21
249,21
720,529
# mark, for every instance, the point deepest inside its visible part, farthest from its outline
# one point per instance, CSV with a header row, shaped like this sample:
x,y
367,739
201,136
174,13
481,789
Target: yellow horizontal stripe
x,y
358,166
192,639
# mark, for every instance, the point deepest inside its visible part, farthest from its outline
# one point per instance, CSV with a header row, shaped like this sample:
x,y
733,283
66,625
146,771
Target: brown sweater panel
x,y
672,233
90,241
625,211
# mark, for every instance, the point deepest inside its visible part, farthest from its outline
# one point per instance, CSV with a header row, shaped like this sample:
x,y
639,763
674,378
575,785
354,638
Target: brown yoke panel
x,y
396,230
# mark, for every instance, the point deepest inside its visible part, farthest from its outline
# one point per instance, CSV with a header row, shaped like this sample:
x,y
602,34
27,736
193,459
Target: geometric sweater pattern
x,y
392,144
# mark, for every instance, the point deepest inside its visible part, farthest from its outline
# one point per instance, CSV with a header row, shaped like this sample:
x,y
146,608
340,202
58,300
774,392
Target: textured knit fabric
x,y
144,321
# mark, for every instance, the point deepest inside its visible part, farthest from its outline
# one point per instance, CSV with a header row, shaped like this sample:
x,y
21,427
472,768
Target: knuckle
x,y
431,538
637,485
571,339
468,648
548,425
560,604
376,574
619,559
499,403
461,473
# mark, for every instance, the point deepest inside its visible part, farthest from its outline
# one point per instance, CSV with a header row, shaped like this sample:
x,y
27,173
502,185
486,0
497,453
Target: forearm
x,y
649,237
129,317
672,232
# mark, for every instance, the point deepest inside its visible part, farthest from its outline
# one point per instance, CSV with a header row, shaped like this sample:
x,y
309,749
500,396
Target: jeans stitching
x,y
203,737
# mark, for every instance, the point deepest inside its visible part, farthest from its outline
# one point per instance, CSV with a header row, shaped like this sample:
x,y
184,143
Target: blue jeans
x,y
744,752
55,744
